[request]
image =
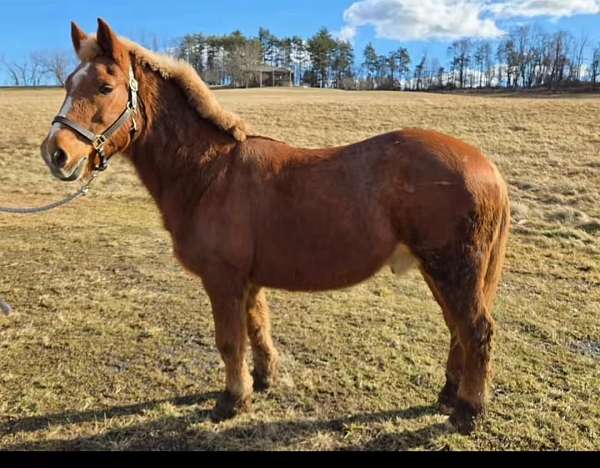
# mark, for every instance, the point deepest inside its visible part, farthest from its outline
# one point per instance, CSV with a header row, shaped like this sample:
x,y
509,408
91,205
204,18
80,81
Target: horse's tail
x,y
497,251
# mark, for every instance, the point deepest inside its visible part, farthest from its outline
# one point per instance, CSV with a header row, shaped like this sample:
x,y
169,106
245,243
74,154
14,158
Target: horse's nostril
x,y
59,158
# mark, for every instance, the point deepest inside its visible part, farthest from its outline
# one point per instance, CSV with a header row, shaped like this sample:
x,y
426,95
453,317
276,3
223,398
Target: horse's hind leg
x,y
454,367
475,331
459,286
266,357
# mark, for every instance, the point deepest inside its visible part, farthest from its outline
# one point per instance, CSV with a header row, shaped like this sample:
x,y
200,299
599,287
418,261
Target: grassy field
x,y
111,343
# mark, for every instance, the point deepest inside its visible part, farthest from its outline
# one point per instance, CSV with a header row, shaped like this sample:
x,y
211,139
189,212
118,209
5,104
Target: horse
x,y
247,212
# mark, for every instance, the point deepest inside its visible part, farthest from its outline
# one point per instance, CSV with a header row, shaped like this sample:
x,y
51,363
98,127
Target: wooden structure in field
x,y
269,76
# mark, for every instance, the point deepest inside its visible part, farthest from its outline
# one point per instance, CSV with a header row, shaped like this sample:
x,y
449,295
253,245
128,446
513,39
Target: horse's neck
x,y
176,149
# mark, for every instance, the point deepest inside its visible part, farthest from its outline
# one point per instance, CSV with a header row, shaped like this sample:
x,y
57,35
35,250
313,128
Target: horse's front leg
x,y
228,299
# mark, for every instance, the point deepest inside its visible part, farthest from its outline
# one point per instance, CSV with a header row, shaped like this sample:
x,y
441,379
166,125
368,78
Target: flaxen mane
x,y
199,95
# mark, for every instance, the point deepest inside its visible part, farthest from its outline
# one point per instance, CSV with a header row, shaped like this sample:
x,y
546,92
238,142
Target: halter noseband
x,y
98,141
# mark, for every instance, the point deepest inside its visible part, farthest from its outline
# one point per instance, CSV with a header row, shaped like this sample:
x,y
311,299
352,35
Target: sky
x,y
420,25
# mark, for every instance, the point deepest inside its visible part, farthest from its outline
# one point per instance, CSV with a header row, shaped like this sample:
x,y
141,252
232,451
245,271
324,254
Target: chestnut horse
x,y
247,212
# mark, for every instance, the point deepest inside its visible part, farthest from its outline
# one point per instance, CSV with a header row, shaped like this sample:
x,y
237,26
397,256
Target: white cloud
x,y
551,8
451,19
347,33
421,19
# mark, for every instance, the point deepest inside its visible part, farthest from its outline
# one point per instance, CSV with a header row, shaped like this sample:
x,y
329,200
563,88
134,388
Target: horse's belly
x,y
320,273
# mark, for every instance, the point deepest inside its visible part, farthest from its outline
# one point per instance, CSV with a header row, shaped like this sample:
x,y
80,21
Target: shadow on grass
x,y
36,423
179,433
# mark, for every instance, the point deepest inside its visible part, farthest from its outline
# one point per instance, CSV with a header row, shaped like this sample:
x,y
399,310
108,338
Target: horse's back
x,y
411,173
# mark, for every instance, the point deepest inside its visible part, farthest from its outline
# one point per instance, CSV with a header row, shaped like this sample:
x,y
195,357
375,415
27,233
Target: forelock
x,y
89,49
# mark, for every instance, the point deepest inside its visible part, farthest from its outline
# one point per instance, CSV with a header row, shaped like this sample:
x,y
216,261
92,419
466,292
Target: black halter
x,y
98,141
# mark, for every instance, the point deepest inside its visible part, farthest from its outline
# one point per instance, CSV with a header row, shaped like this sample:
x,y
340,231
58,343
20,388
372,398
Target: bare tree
x,y
54,64
461,59
479,60
595,67
243,63
28,72
13,72
420,73
488,63
559,46
433,71
578,53
522,56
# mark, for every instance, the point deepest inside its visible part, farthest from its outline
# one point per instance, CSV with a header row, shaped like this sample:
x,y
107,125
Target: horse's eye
x,y
106,89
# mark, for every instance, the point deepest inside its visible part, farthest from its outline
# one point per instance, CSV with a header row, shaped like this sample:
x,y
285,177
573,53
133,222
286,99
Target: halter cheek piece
x,y
98,141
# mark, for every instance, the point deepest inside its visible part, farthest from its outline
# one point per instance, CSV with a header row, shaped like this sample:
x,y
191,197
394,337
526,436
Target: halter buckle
x,y
99,142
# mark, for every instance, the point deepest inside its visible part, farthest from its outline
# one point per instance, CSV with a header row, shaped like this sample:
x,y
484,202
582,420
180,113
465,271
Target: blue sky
x,y
422,25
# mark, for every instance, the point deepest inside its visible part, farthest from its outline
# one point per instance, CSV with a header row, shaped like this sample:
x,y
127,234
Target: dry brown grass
x,y
111,343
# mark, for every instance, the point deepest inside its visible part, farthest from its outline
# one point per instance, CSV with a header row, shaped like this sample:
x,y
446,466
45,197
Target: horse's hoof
x,y
261,383
448,398
445,409
265,376
228,407
465,417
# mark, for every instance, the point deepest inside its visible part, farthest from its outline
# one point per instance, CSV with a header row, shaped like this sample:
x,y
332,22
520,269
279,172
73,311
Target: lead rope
x,y
74,196
5,308
98,144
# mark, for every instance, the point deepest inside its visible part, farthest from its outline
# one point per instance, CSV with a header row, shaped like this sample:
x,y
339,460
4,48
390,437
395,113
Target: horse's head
x,y
98,115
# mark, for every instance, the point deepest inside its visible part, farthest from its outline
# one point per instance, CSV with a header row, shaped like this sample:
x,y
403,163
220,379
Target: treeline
x,y
525,58
236,60
39,68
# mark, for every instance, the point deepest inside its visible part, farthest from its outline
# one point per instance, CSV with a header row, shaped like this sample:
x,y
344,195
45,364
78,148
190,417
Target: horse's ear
x,y
110,43
78,36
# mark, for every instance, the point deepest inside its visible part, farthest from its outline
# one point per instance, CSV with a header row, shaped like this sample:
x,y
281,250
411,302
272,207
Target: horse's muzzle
x,y
74,175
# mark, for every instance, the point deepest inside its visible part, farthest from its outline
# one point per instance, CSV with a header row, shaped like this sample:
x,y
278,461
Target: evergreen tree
x,y
343,62
371,60
321,48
